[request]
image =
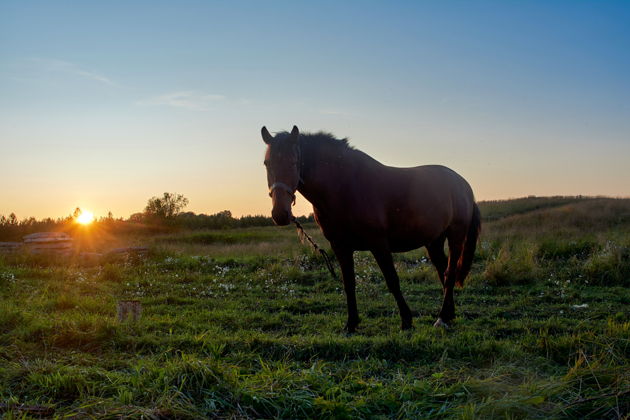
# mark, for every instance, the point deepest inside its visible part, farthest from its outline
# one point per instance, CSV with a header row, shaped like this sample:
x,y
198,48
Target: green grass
x,y
248,324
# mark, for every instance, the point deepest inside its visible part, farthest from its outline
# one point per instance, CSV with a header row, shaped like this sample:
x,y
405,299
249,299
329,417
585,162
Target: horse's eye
x,y
266,162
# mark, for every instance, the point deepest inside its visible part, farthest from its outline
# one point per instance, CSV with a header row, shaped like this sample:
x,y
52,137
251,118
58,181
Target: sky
x,y
106,104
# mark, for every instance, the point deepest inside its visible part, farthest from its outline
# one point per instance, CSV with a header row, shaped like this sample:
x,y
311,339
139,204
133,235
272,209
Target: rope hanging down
x,y
303,235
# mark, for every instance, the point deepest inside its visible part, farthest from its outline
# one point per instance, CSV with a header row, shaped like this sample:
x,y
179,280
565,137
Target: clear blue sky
x,y
105,104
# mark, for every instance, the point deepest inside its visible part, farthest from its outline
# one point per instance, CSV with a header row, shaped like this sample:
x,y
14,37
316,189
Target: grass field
x,y
248,324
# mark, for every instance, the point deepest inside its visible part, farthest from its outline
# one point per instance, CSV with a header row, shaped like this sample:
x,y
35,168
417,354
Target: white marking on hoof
x,y
440,324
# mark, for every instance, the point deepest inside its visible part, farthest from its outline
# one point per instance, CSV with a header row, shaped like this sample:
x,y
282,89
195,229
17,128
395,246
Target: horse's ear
x,y
265,135
295,133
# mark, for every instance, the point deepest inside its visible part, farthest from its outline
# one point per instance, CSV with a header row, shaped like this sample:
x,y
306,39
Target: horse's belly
x,y
403,232
405,246
404,243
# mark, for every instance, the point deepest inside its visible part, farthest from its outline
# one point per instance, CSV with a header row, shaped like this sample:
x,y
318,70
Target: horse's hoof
x,y
440,324
351,328
408,325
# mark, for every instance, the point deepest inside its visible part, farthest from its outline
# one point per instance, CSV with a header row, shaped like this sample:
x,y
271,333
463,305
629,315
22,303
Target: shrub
x,y
609,266
512,265
557,249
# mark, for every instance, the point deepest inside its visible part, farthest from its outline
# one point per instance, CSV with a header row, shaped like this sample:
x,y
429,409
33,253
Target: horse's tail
x,y
470,245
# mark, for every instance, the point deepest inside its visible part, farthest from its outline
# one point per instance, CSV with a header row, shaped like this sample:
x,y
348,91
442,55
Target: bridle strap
x,y
283,186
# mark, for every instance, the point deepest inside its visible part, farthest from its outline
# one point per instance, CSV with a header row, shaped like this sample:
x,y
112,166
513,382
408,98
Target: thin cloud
x,y
67,67
184,99
334,112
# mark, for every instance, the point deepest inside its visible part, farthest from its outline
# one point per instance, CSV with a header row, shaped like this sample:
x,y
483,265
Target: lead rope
x,y
303,235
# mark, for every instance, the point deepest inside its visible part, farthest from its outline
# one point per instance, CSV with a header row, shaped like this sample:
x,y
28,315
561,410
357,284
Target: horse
x,y
361,204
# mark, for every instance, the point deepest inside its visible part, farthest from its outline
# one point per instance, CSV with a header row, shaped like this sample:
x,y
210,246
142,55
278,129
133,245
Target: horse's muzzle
x,y
281,217
281,199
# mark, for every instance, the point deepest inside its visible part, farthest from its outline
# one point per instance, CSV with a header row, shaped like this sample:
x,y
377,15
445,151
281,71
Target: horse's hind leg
x,y
386,264
438,258
455,248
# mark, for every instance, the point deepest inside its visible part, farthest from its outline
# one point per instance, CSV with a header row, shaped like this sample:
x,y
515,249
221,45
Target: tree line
x,y
160,214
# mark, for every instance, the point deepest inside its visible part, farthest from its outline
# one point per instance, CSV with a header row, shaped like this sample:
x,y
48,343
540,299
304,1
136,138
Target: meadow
x,y
248,323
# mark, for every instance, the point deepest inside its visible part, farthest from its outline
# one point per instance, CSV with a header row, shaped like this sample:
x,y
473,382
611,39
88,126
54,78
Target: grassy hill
x,y
247,323
498,209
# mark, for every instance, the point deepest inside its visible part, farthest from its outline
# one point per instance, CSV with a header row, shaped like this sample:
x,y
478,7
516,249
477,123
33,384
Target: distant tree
x,y
225,215
166,207
223,219
137,217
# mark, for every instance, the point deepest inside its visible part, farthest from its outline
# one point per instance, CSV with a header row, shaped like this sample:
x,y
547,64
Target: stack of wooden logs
x,y
51,243
61,244
9,247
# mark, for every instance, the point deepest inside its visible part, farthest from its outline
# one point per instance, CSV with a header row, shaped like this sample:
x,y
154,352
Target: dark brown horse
x,y
361,204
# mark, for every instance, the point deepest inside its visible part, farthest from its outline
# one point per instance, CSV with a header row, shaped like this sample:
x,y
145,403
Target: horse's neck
x,y
326,172
318,163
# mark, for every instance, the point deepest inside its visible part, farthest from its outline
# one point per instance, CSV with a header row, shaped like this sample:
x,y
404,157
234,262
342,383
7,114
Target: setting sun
x,y
85,218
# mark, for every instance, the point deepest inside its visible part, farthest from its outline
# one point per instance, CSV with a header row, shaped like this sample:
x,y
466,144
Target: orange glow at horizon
x,y
85,218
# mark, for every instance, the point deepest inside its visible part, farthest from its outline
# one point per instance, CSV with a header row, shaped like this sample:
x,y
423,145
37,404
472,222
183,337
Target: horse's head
x,y
282,161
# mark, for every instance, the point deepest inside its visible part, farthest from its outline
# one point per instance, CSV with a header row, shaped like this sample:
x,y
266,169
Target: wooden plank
x,y
46,235
52,245
9,247
10,244
44,240
51,251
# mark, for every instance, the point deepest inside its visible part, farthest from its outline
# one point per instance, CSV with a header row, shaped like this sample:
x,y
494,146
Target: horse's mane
x,y
319,140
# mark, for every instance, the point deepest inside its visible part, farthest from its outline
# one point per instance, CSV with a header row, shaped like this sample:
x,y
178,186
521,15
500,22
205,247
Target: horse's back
x,y
447,185
426,201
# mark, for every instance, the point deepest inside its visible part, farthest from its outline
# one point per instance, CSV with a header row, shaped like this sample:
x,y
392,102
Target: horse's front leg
x,y
345,256
386,264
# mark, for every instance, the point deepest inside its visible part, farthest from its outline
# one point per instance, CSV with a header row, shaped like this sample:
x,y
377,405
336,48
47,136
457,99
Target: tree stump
x,y
131,309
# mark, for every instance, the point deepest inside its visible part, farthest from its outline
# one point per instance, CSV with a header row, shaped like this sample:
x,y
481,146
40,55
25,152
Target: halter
x,y
284,186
